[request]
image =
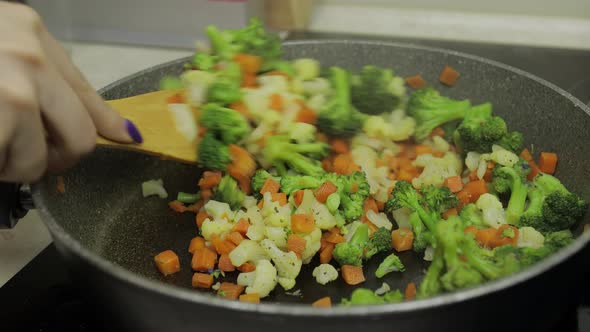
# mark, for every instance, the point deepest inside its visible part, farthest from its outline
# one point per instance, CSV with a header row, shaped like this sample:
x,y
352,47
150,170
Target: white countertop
x,y
101,64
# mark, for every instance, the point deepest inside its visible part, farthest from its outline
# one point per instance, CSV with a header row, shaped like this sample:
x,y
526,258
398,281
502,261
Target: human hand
x,y
50,115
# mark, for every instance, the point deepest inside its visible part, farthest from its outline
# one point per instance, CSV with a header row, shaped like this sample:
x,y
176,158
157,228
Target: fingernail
x,y
133,131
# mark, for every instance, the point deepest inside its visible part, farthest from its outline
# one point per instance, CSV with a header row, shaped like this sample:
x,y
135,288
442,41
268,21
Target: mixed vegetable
x,y
302,161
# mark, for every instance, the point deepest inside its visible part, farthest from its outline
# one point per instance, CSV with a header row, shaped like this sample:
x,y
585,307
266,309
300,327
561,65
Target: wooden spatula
x,y
149,112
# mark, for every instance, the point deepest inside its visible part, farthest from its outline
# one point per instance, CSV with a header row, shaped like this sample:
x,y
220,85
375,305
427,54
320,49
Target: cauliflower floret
x,y
379,219
309,205
247,251
440,144
492,212
274,214
217,227
218,210
273,83
287,283
197,83
377,177
376,144
278,235
317,87
248,202
436,170
530,237
396,127
260,281
324,273
306,68
479,162
302,132
287,263
312,245
256,101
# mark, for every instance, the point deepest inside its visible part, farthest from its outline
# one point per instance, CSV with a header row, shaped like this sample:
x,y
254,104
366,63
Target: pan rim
x,y
289,309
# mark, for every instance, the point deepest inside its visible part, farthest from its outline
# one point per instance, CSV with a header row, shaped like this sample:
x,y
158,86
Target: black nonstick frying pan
x,y
109,233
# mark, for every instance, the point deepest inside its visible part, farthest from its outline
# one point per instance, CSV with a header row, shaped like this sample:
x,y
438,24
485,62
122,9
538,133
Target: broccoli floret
x,y
480,130
422,236
212,153
338,117
280,153
391,263
552,206
371,91
471,215
228,125
431,284
252,39
204,61
380,241
292,183
431,110
351,252
528,256
365,296
228,191
508,179
258,181
353,190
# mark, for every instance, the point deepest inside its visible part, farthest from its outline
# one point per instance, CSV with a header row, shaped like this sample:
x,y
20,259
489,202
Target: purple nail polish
x,y
133,131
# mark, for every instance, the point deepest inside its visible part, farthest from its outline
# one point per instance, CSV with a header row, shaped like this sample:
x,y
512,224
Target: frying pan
x,y
109,233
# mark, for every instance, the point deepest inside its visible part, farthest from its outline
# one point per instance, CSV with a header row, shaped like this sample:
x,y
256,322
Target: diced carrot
x,y
250,64
321,137
438,131
241,108
326,253
380,205
454,183
298,197
243,165
410,292
230,290
248,80
250,298
202,131
339,145
407,174
204,260
548,162
333,237
324,302
416,81
534,170
206,194
241,226
276,102
502,238
473,176
260,204
196,207
60,185
327,165
302,223
235,237
486,236
464,198
475,189
281,198
343,164
450,212
176,98
423,149
200,218
177,206
270,186
167,262
526,155
354,187
324,190
202,280
296,244
402,239
225,264
196,243
372,227
222,246
407,151
306,115
209,180
487,176
352,275
448,76
470,229
370,204
247,267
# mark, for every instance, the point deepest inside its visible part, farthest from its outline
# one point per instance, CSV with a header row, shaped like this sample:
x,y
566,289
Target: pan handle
x,y
15,202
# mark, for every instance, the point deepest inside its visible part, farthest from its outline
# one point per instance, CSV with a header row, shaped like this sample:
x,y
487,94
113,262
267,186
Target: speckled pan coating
x,y
102,222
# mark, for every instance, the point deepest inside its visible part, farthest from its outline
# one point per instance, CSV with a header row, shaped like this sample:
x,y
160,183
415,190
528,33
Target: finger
x,y
107,121
22,141
70,130
22,25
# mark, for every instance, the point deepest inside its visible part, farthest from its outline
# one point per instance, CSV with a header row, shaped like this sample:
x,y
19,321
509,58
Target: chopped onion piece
x,y
154,187
184,120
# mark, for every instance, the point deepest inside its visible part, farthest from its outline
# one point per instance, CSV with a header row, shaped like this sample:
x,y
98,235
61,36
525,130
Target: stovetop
x,y
42,298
